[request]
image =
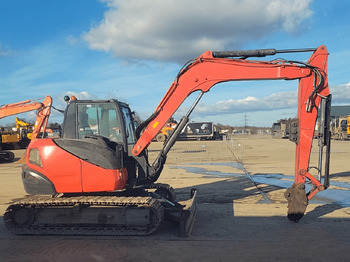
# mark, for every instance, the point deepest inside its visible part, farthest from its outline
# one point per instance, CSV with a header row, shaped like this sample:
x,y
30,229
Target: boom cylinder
x,y
258,52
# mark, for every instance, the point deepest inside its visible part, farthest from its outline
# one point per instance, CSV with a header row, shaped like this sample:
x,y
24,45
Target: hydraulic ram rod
x,y
258,52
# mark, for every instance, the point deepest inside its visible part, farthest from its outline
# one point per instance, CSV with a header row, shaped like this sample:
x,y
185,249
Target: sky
x,y
131,50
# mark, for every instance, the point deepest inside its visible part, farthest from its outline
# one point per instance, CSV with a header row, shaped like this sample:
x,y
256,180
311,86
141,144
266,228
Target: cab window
x,y
129,125
99,119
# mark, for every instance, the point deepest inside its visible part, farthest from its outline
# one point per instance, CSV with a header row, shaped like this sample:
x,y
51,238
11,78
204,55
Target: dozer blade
x,y
184,214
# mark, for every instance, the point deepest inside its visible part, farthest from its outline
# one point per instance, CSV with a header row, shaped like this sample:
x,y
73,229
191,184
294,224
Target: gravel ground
x,y
241,210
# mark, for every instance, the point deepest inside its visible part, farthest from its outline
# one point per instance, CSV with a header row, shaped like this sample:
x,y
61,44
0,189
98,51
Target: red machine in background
x,y
43,112
99,173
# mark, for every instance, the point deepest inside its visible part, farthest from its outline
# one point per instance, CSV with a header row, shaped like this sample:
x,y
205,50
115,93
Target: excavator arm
x,y
43,112
212,68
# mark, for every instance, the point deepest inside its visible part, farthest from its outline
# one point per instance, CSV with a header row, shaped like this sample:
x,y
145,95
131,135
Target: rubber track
x,y
106,230
170,189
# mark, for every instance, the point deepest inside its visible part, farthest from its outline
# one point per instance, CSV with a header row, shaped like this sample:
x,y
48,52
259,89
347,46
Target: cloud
x,y
178,30
71,40
272,102
84,95
6,51
275,101
58,99
341,93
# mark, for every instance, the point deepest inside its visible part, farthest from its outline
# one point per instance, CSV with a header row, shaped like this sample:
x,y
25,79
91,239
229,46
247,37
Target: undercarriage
x,y
108,214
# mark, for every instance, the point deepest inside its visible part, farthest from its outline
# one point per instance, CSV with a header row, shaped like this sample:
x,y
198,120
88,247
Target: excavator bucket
x,y
297,202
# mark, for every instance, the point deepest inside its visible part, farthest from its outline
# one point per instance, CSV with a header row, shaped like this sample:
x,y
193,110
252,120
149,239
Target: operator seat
x,y
83,125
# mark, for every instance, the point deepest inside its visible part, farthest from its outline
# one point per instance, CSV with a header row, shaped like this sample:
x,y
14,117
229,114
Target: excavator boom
x,y
204,72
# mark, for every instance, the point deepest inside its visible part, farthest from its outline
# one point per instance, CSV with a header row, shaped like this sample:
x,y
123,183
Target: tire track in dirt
x,y
241,166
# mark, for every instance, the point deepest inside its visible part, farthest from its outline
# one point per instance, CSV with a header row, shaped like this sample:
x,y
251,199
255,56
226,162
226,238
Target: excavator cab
x,y
109,123
95,149
110,119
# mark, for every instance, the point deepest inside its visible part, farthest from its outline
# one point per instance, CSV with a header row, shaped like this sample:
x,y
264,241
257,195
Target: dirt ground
x,y
241,210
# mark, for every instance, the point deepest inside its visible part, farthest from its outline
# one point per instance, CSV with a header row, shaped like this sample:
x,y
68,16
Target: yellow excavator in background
x,y
43,111
24,129
17,137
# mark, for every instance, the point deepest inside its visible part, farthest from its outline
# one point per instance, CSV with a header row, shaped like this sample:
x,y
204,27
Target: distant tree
x,y
54,126
172,120
137,118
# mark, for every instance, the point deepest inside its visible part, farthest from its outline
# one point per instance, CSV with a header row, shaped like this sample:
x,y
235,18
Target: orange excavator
x,y
97,176
43,112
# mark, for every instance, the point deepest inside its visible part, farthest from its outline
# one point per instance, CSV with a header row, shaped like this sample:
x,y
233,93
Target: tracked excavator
x,y
97,180
43,112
